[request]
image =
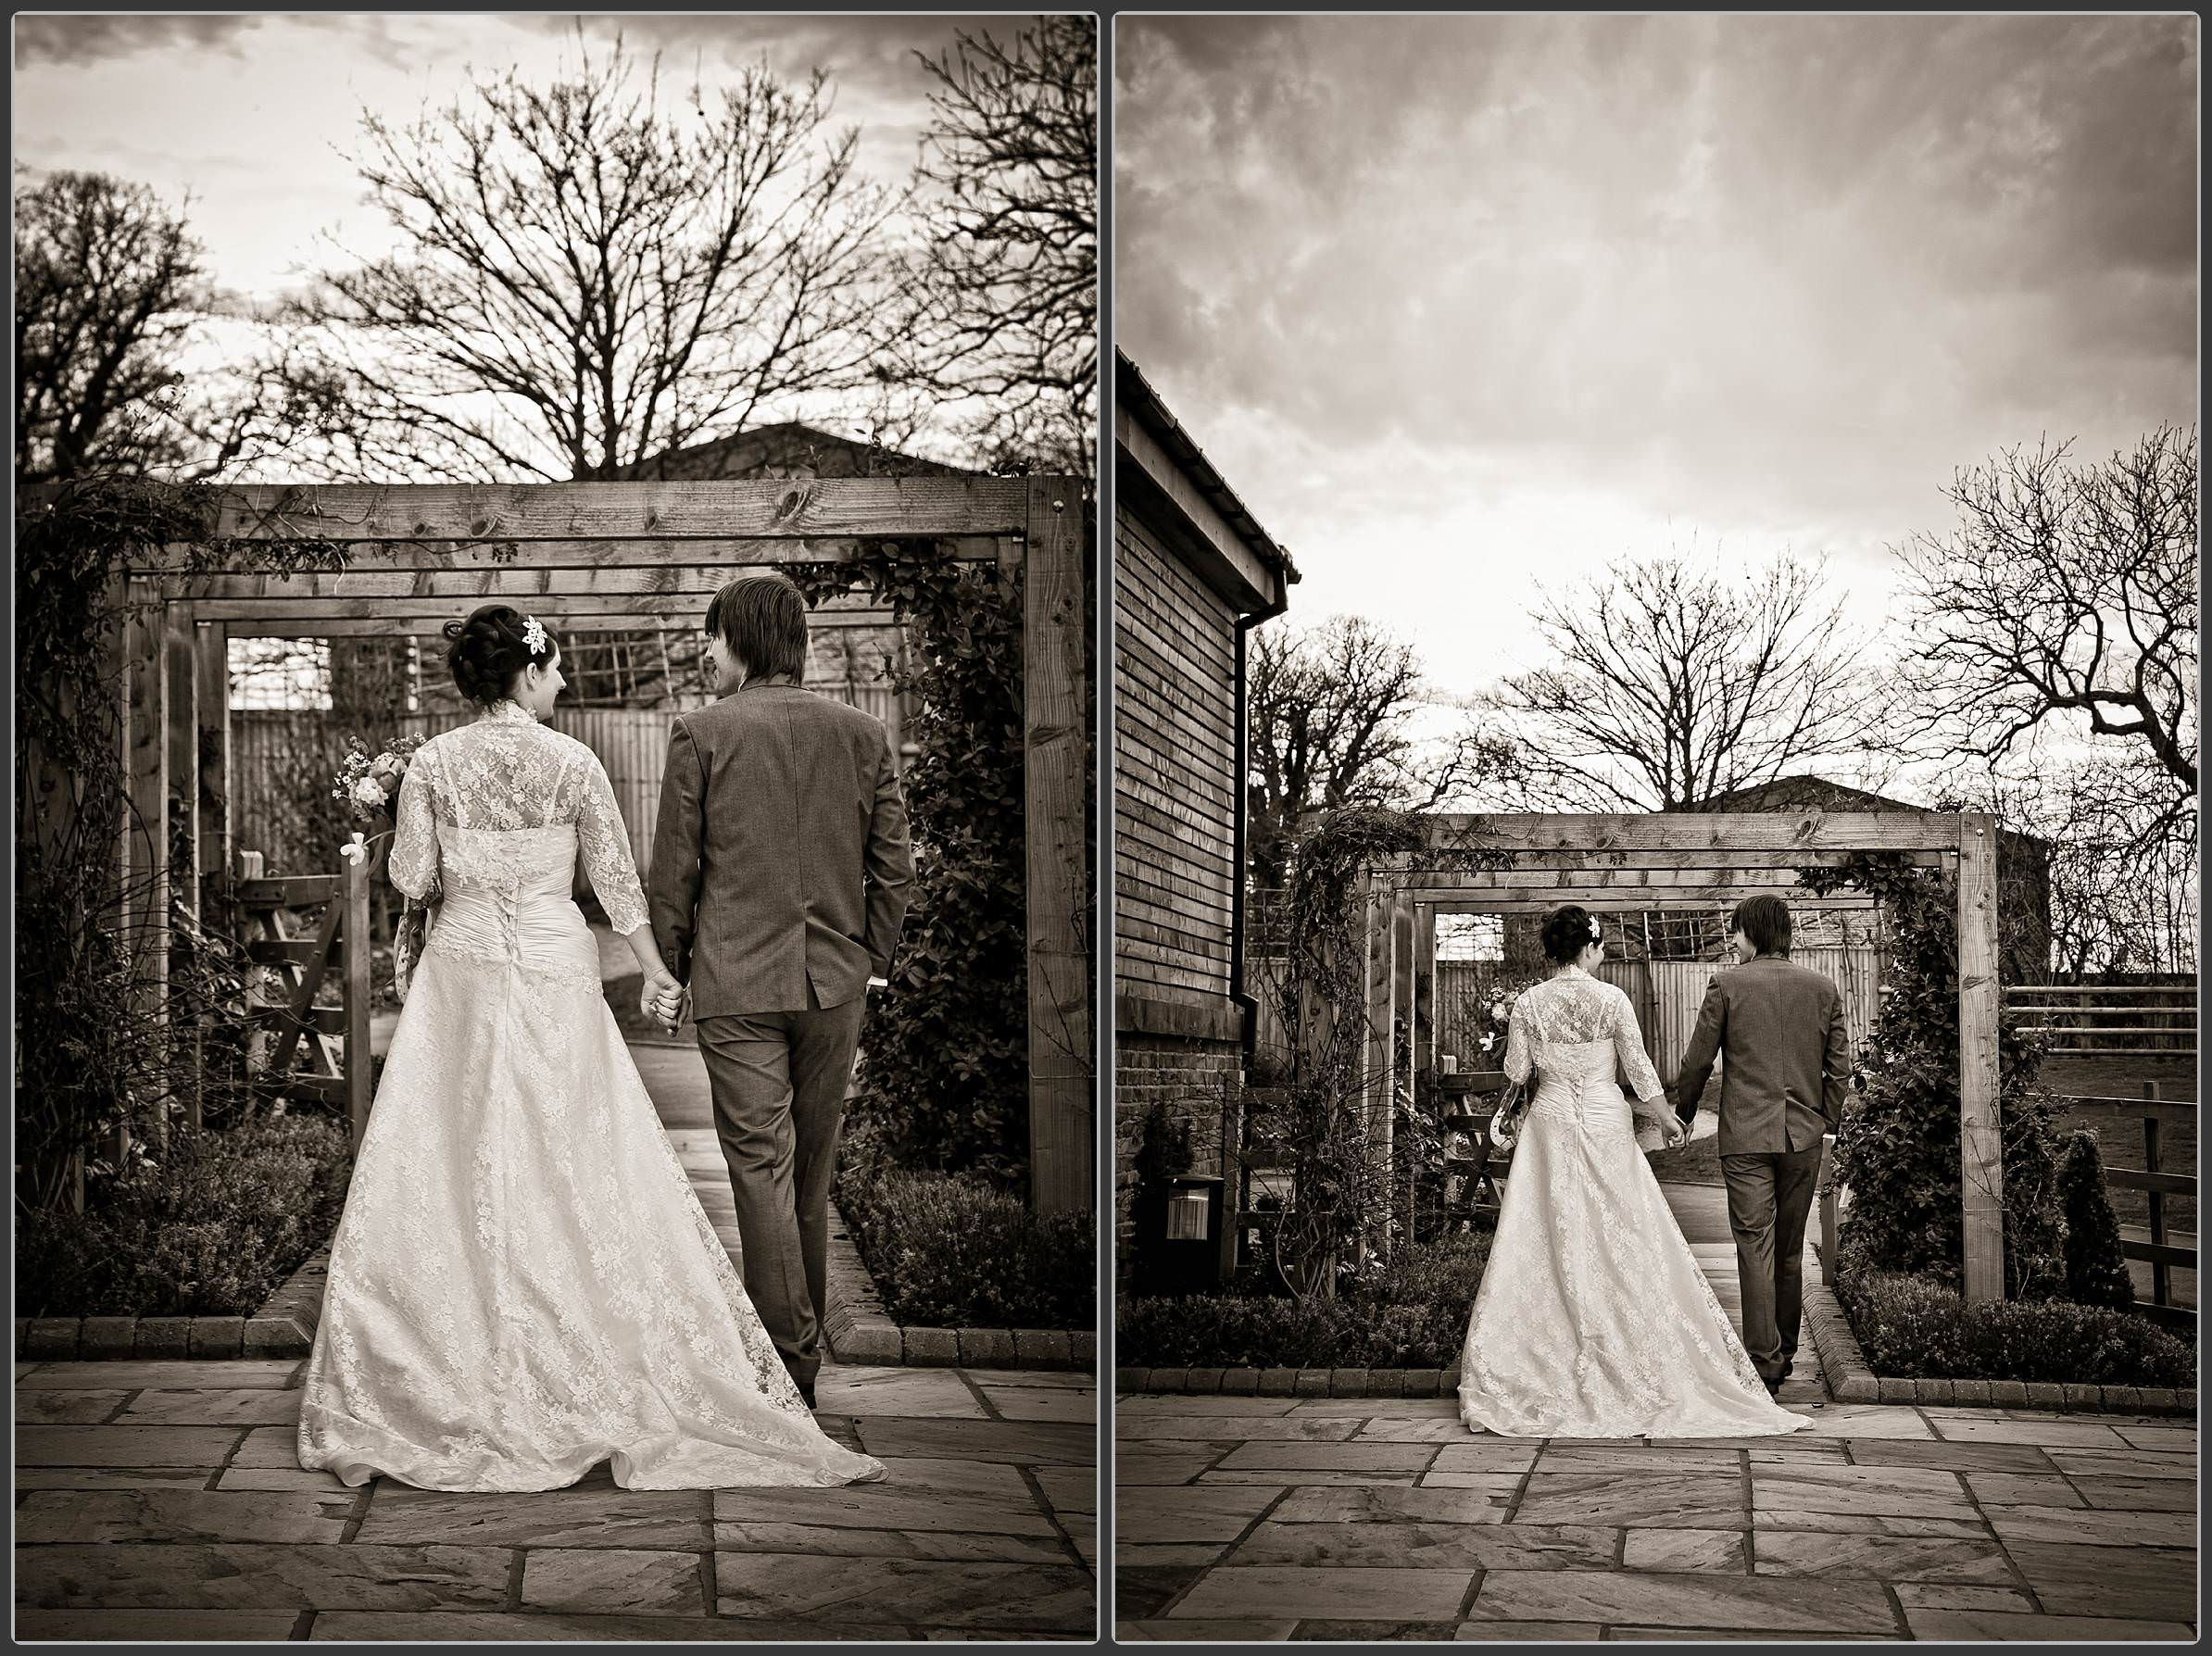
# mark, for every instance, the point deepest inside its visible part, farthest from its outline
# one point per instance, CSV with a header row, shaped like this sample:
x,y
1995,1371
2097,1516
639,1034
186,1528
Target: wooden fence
x,y
2154,1115
1667,995
278,758
2122,1019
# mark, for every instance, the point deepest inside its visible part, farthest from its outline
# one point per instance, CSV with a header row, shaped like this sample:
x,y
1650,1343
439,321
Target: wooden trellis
x,y
594,556
1616,864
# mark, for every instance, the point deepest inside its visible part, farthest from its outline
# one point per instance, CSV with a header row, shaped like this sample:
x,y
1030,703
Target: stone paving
x,y
165,1501
1270,1518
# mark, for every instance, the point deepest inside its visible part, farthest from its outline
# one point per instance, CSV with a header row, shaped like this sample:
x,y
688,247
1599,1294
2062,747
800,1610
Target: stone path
x,y
1250,1518
1274,1518
165,1501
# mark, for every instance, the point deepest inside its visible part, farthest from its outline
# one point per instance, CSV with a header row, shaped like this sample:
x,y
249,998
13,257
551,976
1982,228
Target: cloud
x,y
1766,270
75,41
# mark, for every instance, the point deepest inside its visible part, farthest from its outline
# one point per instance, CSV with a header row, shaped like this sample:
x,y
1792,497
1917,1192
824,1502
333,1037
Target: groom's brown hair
x,y
763,621
1765,920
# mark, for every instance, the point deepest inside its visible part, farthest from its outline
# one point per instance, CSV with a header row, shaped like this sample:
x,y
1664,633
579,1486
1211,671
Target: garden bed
x,y
936,1270
1924,1343
207,1256
1396,1333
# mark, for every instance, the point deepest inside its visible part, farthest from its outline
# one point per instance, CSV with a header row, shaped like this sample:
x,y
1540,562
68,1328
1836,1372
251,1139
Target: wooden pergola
x,y
597,557
1613,864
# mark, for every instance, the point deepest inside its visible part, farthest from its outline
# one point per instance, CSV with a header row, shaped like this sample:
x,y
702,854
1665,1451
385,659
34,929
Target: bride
x,y
1594,1319
523,1283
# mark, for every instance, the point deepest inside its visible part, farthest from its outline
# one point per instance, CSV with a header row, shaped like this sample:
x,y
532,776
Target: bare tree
x,y
1669,686
1008,278
589,277
2064,599
1332,714
108,283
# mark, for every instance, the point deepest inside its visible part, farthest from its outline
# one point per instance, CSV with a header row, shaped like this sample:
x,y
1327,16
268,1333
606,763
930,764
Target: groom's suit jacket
x,y
1788,1069
780,856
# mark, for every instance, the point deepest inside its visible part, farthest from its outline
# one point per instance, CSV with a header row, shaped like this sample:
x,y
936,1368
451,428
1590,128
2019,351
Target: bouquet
x,y
370,783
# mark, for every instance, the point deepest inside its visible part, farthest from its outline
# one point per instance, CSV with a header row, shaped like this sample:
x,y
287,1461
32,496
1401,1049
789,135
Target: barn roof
x,y
1135,396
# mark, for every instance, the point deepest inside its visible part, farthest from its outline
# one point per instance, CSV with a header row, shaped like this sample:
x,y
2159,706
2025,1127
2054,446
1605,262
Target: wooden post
x,y
357,1058
211,670
1055,702
145,850
2161,1278
180,808
1425,997
1374,1082
1402,1017
1980,1141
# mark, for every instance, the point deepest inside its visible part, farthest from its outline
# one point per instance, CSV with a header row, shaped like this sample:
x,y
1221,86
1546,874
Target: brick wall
x,y
1192,1079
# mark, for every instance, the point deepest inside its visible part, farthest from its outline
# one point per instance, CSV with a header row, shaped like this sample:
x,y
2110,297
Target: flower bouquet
x,y
370,783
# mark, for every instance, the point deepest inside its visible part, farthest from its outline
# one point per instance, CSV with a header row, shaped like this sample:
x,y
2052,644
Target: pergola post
x,y
1054,743
143,915
1980,1137
211,670
1374,1078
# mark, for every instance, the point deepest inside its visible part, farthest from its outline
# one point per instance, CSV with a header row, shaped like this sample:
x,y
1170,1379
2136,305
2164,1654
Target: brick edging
x,y
283,1327
858,1329
1851,1380
1291,1383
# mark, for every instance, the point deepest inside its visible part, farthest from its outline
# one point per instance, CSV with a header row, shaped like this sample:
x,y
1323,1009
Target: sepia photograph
x,y
556,1063
1654,623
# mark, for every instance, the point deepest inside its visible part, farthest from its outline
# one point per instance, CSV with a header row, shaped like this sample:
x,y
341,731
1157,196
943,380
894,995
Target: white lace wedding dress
x,y
523,1283
1594,1319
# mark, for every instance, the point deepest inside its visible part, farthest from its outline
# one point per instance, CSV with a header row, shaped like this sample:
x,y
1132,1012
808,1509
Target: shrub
x,y
1913,1328
2096,1271
1411,1313
949,1251
1898,1148
210,1231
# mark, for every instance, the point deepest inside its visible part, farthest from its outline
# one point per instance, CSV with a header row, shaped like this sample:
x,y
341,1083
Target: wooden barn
x,y
1193,575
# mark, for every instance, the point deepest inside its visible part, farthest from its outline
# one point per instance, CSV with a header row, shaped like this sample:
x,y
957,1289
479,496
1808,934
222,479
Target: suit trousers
x,y
778,1081
1769,1195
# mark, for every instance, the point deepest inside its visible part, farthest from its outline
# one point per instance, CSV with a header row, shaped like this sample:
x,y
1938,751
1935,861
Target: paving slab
x,y
163,1501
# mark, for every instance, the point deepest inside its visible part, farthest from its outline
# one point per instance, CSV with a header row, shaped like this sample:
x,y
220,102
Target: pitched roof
x,y
1133,394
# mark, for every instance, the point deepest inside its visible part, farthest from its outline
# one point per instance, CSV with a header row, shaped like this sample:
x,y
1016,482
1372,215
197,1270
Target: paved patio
x,y
165,1501
1274,1518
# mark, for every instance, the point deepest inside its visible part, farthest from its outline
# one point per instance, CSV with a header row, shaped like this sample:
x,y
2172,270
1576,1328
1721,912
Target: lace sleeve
x,y
1520,1058
1627,1043
605,847
414,860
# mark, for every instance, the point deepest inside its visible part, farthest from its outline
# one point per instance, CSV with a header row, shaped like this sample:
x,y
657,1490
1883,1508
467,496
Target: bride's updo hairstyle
x,y
486,651
1567,932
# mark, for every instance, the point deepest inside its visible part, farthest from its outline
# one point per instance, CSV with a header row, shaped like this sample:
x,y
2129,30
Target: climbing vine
x,y
98,1063
944,1073
1898,1150
1315,1125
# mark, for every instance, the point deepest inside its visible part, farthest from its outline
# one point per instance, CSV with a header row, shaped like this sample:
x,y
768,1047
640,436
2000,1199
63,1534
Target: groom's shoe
x,y
1787,1366
806,1395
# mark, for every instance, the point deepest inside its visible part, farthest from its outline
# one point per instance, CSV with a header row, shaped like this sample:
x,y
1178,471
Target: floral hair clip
x,y
1596,935
534,634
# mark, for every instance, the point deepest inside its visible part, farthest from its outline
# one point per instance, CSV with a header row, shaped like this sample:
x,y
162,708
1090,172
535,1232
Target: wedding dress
x,y
523,1283
1594,1319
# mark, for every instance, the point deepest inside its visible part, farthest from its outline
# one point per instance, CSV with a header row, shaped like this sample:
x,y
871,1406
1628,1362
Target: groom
x,y
1780,1029
780,878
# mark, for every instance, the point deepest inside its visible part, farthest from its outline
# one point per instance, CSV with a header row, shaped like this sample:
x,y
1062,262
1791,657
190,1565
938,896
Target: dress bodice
x,y
1573,1033
500,811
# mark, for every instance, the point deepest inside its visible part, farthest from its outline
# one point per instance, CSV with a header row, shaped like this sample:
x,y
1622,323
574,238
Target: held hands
x,y
1673,1129
661,999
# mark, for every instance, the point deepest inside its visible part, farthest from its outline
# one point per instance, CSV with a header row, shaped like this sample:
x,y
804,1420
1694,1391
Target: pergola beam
x,y
789,509
1749,831
713,560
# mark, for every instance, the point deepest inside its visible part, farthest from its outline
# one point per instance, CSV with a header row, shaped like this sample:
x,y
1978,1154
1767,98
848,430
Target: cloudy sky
x,y
250,113
1464,304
